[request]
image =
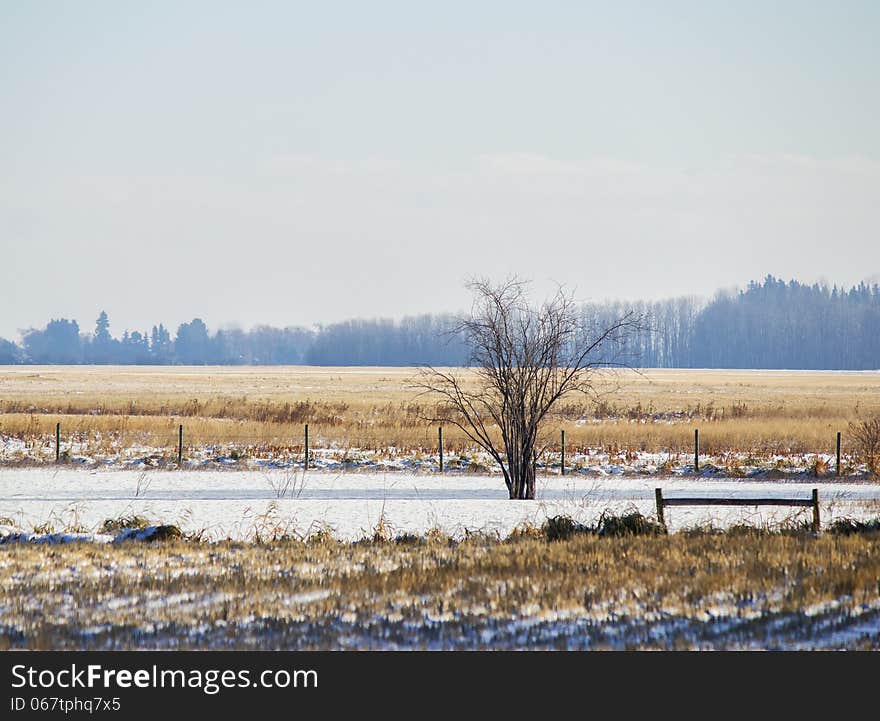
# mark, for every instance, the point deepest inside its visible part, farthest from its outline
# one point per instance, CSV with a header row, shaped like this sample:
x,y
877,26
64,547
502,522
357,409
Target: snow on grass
x,y
680,591
598,462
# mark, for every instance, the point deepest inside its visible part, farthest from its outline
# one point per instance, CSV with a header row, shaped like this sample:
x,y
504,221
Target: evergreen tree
x,y
192,344
102,349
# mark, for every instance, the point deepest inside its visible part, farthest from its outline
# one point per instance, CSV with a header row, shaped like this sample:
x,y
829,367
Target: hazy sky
x,y
297,163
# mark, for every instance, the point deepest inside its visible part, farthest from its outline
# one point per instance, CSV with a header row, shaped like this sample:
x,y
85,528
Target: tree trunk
x,y
522,475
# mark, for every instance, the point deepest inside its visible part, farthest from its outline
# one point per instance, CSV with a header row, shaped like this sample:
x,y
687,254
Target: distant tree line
x,y
769,324
411,341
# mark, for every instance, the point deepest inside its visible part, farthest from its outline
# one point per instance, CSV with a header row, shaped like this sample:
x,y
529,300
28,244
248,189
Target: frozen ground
x,y
241,504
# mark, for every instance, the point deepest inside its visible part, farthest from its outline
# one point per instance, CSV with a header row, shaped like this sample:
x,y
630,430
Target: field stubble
x,y
689,590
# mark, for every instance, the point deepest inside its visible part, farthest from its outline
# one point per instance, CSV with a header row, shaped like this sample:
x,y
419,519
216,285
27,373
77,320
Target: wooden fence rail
x,y
662,503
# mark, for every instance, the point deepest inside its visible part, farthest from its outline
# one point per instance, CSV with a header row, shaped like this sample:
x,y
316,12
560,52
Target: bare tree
x,y
526,359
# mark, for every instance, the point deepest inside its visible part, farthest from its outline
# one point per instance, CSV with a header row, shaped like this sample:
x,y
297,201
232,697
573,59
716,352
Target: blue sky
x,y
296,163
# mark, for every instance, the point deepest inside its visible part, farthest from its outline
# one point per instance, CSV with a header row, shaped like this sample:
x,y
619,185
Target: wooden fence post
x,y
816,524
696,450
440,445
658,495
307,447
562,460
180,446
838,454
58,442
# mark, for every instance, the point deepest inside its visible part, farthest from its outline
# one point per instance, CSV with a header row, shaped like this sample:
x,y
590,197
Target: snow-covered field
x,y
400,595
240,504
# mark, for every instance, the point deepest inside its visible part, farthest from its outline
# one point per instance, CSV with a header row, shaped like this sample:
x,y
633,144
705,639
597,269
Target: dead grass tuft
x,y
849,526
562,528
629,524
123,523
866,436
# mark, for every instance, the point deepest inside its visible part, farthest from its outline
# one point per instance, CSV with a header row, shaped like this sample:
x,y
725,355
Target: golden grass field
x,y
699,590
377,408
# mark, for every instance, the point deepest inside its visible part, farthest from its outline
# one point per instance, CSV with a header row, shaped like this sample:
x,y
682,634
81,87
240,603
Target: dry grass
x,y
374,408
697,590
866,439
